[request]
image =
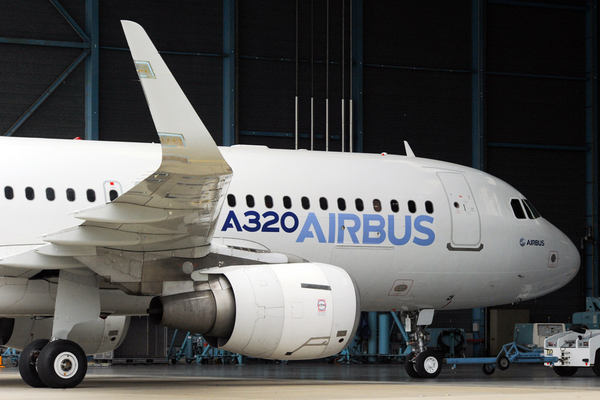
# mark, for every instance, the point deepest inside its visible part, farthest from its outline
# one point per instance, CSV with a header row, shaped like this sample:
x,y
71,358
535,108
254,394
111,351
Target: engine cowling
x,y
94,337
281,311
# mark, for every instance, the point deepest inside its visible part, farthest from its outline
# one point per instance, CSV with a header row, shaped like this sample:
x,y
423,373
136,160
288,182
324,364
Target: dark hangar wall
x,y
417,85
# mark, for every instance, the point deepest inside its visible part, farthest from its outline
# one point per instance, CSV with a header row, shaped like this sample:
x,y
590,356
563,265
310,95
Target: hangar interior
x,y
509,87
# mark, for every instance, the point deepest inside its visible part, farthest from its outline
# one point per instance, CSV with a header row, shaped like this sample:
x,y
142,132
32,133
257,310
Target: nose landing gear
x,y
422,363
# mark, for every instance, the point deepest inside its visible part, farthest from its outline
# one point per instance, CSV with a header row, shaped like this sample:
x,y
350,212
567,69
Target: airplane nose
x,y
568,258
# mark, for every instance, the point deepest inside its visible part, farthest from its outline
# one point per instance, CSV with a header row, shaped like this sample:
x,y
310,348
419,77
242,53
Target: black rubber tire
x,y
409,366
62,364
502,363
428,364
596,367
28,363
565,371
488,369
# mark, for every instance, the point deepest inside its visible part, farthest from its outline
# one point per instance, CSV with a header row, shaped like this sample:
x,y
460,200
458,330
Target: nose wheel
x,y
428,364
58,364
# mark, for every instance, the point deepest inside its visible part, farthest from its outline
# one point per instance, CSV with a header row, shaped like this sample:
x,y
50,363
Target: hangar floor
x,y
303,380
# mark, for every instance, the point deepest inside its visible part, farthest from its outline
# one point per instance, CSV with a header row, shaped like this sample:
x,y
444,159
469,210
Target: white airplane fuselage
x,y
429,234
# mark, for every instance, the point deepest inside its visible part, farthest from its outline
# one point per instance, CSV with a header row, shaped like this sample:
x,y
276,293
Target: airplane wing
x,y
177,206
173,210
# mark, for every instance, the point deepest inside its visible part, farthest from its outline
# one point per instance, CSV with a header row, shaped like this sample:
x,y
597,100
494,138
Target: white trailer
x,y
576,348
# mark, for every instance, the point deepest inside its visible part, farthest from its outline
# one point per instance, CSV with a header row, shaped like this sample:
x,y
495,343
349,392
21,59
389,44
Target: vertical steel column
x,y
229,134
478,124
92,70
477,84
356,101
591,129
384,333
373,338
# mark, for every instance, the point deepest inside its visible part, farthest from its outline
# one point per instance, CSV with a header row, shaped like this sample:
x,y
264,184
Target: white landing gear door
x,y
77,300
466,225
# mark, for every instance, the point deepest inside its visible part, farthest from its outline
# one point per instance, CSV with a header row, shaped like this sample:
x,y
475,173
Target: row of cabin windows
x,y
324,204
523,207
9,193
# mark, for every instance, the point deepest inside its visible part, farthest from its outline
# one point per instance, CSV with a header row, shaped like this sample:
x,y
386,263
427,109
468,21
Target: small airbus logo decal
x,y
531,242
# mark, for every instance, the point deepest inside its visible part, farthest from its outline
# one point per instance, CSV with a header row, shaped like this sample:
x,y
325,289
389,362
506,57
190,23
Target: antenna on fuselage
x,y
409,152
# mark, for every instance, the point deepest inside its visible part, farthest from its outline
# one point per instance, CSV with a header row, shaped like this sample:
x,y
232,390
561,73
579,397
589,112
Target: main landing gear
x,y
422,363
56,364
62,363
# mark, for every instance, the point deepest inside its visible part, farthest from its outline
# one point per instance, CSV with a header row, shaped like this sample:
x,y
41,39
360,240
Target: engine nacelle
x,y
281,311
94,337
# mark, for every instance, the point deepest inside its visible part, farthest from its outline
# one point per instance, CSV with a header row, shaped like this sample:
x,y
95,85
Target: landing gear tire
x,y
428,364
565,371
488,369
409,366
28,363
62,364
502,363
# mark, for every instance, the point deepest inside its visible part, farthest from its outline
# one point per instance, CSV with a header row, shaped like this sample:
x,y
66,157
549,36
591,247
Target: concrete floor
x,y
304,380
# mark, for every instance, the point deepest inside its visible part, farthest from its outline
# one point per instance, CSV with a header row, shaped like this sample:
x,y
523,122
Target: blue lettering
x,y
342,226
377,230
373,227
231,222
254,220
286,228
305,233
392,231
331,228
424,230
268,226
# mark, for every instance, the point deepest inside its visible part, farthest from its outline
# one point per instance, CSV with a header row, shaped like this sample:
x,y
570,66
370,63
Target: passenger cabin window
x,y
250,201
91,195
287,202
517,209
268,201
305,203
70,194
341,204
377,205
429,207
359,205
231,200
29,193
323,203
50,195
9,193
113,194
412,206
395,206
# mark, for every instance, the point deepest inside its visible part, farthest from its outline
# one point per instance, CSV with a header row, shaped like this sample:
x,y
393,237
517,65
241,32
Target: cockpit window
x,y
531,211
517,209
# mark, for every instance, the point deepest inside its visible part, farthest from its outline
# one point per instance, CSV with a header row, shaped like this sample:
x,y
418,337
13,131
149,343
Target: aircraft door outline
x,y
112,190
466,222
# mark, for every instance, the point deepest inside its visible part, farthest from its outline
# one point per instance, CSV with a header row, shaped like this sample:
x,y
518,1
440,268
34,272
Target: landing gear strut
x,y
61,363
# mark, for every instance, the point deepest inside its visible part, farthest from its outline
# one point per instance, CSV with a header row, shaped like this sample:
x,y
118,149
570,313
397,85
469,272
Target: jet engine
x,y
94,337
282,311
